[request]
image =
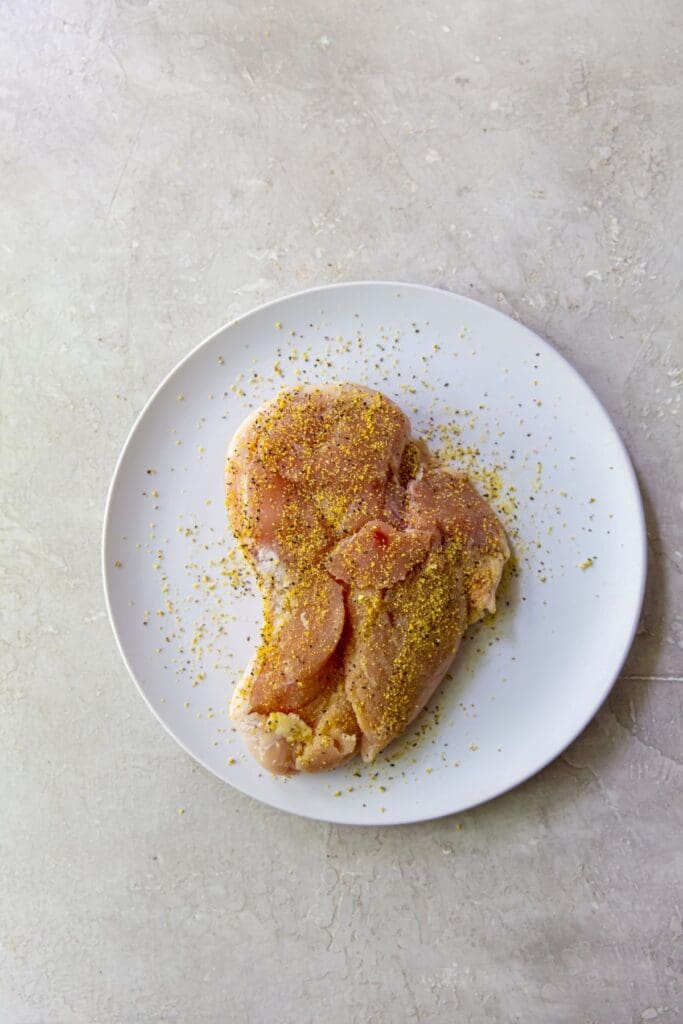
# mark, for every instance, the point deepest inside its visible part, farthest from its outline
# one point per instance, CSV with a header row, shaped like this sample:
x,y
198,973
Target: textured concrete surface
x,y
164,167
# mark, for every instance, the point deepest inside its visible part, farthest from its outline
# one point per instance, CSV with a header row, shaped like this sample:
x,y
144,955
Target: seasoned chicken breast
x,y
372,559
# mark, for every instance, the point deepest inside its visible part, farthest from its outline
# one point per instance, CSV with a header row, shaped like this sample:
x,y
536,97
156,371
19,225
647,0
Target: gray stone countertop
x,y
165,166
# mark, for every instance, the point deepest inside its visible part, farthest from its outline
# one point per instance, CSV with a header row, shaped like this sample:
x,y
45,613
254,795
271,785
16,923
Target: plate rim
x,y
642,552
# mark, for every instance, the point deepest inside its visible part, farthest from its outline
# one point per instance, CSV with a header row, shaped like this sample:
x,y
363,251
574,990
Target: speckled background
x,y
164,167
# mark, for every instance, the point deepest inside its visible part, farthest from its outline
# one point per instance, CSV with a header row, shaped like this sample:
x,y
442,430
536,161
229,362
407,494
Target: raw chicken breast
x,y
372,559
402,642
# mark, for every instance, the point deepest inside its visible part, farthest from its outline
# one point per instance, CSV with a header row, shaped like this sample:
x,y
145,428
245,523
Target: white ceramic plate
x,y
491,394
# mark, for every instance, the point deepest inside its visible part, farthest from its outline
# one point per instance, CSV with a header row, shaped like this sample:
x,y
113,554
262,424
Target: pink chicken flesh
x,y
372,559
